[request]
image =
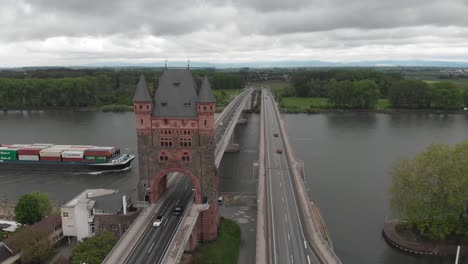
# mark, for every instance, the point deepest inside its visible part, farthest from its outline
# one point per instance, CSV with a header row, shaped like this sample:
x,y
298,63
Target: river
x,y
347,157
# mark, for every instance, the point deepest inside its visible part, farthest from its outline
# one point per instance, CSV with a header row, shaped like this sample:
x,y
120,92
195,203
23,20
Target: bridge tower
x,y
175,130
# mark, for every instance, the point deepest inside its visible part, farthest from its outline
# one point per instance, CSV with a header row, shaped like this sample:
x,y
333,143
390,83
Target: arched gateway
x,y
175,131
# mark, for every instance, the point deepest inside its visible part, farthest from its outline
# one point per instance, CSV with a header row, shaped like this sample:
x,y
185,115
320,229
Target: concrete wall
x,y
68,223
81,220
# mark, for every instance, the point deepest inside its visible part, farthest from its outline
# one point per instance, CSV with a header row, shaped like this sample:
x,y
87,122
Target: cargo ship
x,y
63,157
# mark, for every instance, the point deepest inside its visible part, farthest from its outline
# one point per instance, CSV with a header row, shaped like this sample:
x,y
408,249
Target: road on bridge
x,y
153,245
287,242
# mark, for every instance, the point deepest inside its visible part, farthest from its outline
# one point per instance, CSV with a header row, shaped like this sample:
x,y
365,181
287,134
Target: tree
x,y
445,95
353,94
411,94
94,250
430,192
32,207
33,244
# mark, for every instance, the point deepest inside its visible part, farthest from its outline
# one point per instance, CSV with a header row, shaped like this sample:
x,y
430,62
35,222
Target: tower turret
x,y
206,108
142,105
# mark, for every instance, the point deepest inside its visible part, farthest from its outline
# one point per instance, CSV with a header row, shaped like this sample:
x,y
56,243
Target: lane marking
x,y
177,202
281,185
152,245
286,219
292,259
282,198
289,238
305,244
308,259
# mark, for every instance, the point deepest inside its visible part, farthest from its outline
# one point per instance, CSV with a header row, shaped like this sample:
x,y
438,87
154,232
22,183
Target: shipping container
x,y
20,145
60,146
48,152
73,159
99,151
72,154
8,157
43,144
80,147
28,157
100,159
30,150
45,158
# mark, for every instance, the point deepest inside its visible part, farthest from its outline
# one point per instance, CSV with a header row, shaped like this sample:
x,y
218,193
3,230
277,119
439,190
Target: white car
x,y
220,123
158,221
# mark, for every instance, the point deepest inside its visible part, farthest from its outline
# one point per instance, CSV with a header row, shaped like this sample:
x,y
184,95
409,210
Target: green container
x,y
8,157
100,159
8,152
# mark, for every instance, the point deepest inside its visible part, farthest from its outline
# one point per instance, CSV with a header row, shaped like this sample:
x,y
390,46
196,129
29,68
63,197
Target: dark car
x,y
178,210
275,134
279,151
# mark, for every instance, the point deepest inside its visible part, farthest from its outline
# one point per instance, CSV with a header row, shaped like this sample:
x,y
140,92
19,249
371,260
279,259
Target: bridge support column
x,y
241,120
209,221
232,147
192,244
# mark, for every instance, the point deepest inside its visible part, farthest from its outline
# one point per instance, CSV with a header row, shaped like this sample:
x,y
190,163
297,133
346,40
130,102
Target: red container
x,y
50,158
73,159
29,151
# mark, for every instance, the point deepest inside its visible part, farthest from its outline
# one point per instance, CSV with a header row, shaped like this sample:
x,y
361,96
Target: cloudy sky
x,y
77,32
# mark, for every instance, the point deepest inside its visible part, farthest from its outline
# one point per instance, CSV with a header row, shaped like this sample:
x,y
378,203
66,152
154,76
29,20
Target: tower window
x,y
186,156
204,107
205,122
163,156
166,141
185,141
141,107
147,106
141,121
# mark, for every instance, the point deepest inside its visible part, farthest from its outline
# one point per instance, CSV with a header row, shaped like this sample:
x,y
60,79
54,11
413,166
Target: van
x,y
220,200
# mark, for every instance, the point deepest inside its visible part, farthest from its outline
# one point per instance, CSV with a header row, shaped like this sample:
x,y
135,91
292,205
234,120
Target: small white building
x,y
78,214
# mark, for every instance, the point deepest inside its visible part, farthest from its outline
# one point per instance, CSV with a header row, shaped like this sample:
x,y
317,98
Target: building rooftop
x,y
88,194
111,203
176,95
206,94
142,93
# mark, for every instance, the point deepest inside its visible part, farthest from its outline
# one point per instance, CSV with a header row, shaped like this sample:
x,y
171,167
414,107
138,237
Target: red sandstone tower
x,y
175,131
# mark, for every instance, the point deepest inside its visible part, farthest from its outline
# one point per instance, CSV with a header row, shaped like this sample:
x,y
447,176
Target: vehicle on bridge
x,y
275,134
158,221
279,151
178,210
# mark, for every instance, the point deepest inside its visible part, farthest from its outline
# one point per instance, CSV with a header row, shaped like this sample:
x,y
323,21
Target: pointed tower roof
x,y
142,93
206,95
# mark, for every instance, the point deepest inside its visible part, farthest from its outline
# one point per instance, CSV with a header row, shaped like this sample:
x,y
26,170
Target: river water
x,y
347,159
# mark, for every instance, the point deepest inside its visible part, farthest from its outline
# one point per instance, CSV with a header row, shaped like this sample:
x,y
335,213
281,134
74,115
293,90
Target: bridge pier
x,y
232,147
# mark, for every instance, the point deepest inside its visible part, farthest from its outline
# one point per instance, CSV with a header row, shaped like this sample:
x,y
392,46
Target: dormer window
x,y
187,104
176,84
163,102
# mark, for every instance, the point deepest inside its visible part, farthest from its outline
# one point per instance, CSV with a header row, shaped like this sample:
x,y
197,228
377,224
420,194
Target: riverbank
x,y
411,242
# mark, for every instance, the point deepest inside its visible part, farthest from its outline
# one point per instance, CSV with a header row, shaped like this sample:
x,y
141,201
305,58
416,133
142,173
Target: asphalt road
x,y
287,242
154,243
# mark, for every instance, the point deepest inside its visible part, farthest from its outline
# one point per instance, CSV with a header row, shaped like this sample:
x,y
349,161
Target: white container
x,y
72,154
48,152
42,144
20,145
28,157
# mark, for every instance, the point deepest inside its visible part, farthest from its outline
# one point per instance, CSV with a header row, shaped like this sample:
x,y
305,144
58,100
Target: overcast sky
x,y
77,32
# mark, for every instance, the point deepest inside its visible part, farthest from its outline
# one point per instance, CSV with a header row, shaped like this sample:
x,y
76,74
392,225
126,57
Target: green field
x,y
223,97
225,250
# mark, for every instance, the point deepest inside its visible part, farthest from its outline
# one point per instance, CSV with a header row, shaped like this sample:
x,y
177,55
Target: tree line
x,y
62,87
362,88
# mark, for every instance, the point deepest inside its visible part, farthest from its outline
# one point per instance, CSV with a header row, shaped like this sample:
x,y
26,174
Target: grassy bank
x,y
225,250
315,104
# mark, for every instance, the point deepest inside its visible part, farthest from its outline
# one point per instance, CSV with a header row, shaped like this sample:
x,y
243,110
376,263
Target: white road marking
x,y
289,238
292,259
151,247
308,259
305,244
286,219
177,202
280,184
282,198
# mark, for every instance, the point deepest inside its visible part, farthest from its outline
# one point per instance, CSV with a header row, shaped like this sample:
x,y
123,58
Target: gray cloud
x,y
70,31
